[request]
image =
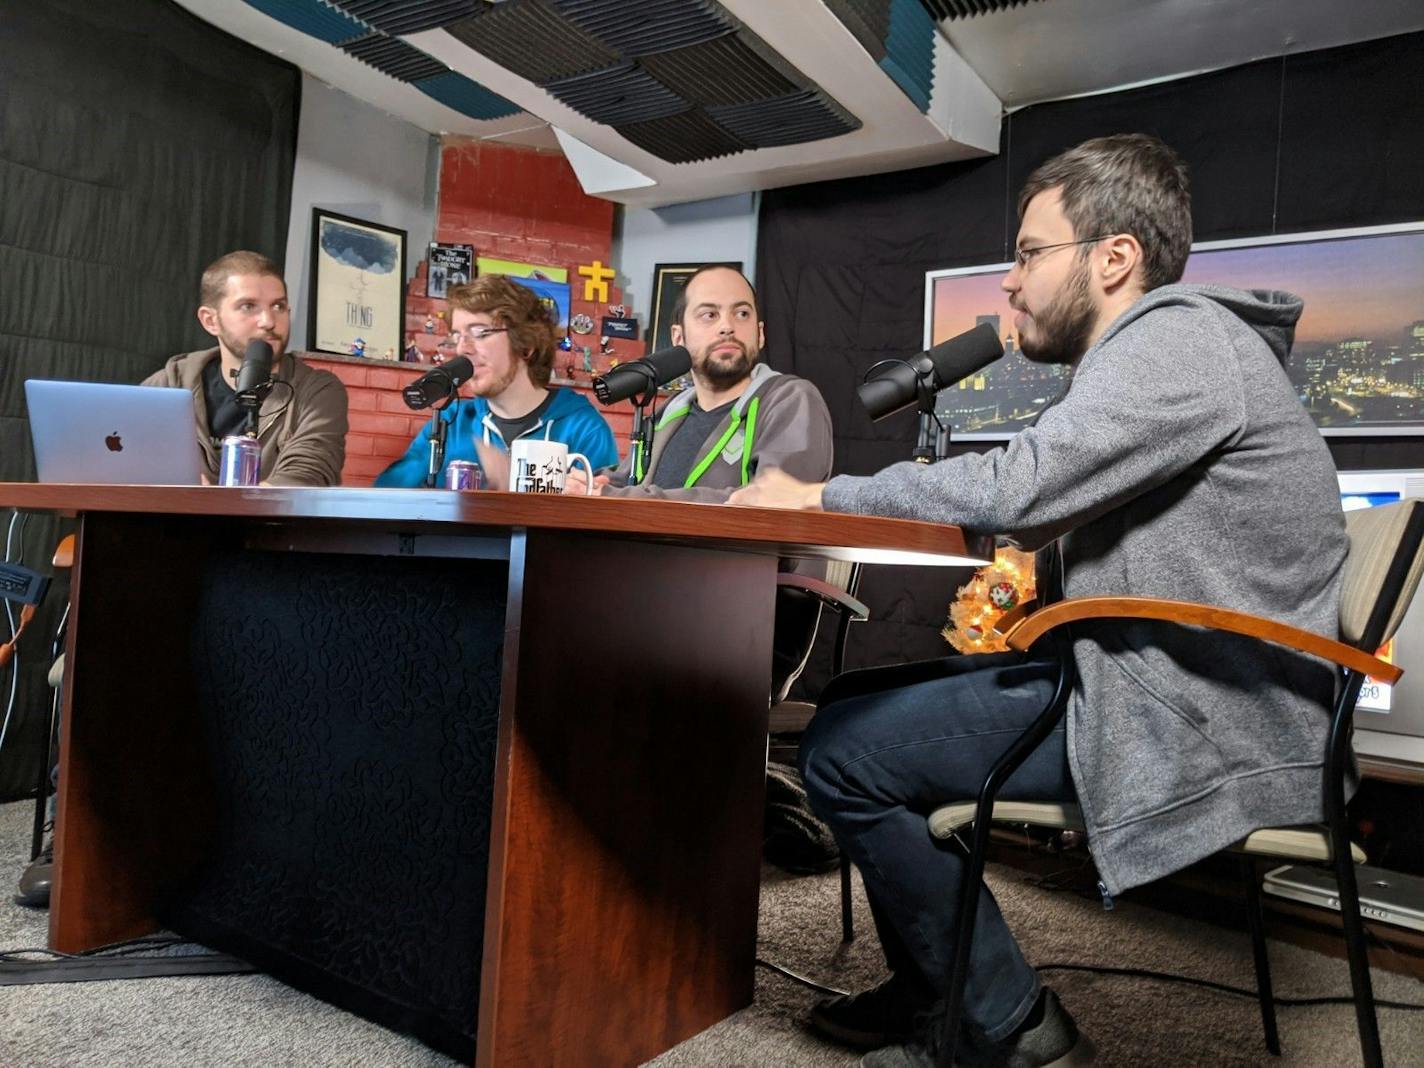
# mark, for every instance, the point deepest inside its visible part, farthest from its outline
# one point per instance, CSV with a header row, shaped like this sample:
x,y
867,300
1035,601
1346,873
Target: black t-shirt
x,y
684,449
510,429
225,415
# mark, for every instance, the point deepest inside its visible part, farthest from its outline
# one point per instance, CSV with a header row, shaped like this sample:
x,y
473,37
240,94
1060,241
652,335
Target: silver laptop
x,y
97,432
1387,896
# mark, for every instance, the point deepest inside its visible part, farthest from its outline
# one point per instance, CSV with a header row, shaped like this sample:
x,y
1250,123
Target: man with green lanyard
x,y
739,416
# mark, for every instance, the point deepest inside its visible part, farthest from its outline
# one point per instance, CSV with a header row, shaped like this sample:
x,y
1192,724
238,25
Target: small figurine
x,y
566,344
588,359
430,324
617,311
358,347
412,351
390,354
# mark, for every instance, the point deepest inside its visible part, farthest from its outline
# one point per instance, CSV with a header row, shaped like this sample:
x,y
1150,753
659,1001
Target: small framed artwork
x,y
450,265
357,300
669,280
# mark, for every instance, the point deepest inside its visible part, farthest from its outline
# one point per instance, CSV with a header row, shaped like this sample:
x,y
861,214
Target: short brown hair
x,y
1124,184
214,283
679,307
529,321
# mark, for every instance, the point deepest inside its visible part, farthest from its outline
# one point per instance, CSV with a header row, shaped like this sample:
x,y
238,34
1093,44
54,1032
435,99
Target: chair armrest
x,y
831,596
1030,629
1010,619
64,552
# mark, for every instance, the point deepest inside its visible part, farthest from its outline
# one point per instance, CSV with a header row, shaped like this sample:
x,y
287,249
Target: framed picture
x,y
1358,359
357,286
669,280
550,283
449,265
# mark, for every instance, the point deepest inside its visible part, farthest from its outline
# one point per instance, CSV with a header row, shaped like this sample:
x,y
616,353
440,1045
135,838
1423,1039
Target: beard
x,y
1064,326
724,370
238,345
499,384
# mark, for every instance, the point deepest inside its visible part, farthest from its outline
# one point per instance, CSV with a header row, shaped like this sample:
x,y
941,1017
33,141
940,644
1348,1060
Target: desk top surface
x,y
869,539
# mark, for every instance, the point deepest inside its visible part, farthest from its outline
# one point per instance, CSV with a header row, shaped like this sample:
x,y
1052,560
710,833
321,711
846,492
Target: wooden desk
x,y
610,860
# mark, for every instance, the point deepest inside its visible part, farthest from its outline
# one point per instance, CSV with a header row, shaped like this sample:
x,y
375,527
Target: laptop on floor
x,y
95,432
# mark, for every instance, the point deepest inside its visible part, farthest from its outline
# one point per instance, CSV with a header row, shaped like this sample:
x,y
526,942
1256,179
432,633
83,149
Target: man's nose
x,y
266,317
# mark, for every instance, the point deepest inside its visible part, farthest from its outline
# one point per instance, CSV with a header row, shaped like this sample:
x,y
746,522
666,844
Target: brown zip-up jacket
x,y
302,429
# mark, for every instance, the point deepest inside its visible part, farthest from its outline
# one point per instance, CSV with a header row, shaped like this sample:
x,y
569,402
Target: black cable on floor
x,y
1170,977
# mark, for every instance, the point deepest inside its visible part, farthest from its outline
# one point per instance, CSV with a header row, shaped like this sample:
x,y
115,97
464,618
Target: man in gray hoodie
x,y
1179,464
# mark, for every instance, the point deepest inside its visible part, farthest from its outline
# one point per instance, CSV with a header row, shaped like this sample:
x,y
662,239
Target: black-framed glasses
x,y
1024,256
478,333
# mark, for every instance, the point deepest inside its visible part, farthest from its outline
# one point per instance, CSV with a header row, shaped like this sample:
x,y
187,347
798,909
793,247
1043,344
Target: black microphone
x,y
437,384
256,371
897,385
629,379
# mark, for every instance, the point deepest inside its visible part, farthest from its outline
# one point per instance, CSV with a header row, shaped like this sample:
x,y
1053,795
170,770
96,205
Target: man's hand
x,y
494,464
774,488
575,482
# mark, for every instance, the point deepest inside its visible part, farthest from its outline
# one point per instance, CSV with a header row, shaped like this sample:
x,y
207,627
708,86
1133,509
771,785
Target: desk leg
x,y
132,805
626,839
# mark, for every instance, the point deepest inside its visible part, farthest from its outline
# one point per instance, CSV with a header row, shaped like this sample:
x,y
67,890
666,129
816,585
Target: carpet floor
x,y
250,1020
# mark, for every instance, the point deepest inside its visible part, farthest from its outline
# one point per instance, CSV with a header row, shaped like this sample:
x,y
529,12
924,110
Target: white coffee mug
x,y
539,466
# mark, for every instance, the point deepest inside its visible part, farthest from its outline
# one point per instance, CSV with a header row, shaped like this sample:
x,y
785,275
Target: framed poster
x,y
1358,359
449,265
357,285
669,280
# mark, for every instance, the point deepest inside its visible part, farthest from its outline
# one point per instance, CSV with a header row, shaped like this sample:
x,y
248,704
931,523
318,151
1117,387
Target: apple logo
x,y
114,443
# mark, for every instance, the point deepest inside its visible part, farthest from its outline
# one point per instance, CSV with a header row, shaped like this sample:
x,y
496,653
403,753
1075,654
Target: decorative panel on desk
x,y
350,705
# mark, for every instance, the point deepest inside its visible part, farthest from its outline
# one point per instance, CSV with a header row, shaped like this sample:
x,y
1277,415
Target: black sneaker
x,y
880,1016
1048,1038
36,879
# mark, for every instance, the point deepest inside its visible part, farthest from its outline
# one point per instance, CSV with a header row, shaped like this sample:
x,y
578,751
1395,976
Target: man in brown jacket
x,y
302,423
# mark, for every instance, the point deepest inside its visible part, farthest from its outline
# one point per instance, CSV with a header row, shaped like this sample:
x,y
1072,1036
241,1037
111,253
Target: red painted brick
x,y
360,399
373,423
392,403
386,378
391,448
365,466
358,445
350,374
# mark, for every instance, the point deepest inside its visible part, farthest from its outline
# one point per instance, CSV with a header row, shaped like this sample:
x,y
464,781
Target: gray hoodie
x,y
1180,464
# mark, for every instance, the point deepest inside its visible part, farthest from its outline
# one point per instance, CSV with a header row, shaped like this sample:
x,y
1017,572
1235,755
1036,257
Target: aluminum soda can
x,y
463,475
241,463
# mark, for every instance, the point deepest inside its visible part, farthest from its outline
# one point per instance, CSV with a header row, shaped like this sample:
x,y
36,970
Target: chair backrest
x,y
1382,571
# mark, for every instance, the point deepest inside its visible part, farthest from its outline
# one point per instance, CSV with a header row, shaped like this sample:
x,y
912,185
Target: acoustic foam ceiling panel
x,y
900,36
346,26
963,9
668,75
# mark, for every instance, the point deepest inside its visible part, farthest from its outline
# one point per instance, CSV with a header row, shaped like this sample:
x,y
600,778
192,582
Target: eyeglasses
x,y
479,333
1024,256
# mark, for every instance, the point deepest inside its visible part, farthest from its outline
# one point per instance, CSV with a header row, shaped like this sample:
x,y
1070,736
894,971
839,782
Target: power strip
x,y
22,585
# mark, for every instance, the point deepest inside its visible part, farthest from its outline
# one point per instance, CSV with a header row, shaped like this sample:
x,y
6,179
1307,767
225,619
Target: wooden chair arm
x,y
1028,630
831,596
64,552
1010,619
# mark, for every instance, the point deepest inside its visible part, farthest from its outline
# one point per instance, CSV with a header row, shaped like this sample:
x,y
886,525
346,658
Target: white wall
x,y
700,232
355,159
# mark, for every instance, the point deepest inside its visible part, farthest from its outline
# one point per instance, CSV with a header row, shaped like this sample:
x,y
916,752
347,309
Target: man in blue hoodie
x,y
507,334
1180,465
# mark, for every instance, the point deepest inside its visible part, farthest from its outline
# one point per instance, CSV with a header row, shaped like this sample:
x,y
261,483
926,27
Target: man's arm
x,y
316,450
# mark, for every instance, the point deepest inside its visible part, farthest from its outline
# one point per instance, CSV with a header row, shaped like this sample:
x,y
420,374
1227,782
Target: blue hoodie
x,y
569,419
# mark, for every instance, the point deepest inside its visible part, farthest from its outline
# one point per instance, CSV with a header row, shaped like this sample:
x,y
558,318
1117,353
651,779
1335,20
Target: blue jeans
x,y
888,746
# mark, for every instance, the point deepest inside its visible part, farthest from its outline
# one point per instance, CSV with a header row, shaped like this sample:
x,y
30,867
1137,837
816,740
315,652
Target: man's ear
x,y
676,332
1120,257
208,319
761,334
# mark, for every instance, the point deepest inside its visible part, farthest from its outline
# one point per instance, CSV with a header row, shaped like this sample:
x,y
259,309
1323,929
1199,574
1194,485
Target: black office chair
x,y
1382,572
801,605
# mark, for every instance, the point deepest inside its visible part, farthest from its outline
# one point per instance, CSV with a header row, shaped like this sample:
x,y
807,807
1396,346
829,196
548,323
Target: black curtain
x,y
137,144
1306,142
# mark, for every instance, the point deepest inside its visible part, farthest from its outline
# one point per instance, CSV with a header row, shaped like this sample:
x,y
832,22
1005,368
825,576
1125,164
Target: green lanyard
x,y
706,461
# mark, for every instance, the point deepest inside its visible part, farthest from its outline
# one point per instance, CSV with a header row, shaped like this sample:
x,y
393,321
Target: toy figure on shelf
x,y
358,347
588,360
412,351
430,324
566,344
389,355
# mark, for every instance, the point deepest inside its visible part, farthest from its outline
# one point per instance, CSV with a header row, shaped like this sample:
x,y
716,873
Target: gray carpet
x,y
254,1020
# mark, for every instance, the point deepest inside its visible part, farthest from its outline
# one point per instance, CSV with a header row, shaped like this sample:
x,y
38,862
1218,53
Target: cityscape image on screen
x,y
1357,363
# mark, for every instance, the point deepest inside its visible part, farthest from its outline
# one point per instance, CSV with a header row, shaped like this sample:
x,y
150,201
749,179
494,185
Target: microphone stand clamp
x,y
641,436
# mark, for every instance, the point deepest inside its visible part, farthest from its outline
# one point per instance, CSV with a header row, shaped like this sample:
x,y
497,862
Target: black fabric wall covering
x,y
137,144
1312,141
